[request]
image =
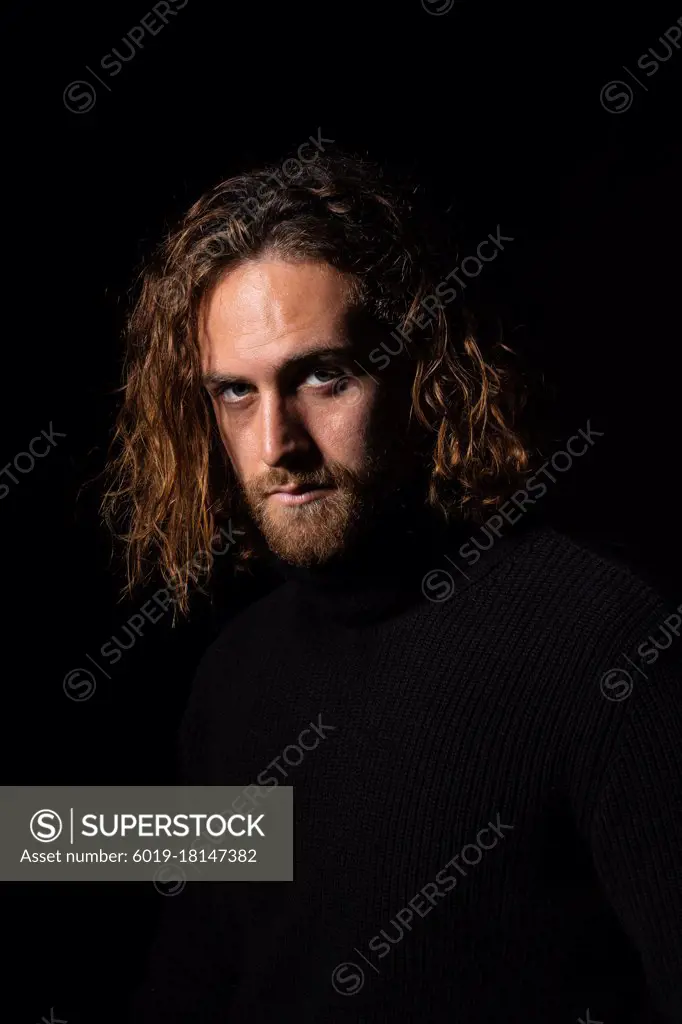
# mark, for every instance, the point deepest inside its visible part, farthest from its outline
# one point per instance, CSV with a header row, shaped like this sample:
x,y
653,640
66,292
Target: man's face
x,y
306,428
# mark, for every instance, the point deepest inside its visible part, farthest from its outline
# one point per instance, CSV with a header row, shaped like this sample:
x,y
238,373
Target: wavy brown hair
x,y
170,488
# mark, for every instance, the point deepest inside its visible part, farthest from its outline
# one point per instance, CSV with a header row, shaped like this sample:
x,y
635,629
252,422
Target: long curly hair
x,y
170,487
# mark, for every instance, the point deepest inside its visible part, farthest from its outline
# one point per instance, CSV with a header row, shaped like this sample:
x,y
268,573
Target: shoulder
x,y
249,630
221,681
257,623
576,572
555,586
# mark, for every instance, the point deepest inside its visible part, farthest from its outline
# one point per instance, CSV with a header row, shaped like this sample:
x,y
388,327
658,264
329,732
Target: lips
x,y
299,495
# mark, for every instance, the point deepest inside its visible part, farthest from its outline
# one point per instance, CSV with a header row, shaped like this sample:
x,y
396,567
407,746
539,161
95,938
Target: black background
x,y
497,110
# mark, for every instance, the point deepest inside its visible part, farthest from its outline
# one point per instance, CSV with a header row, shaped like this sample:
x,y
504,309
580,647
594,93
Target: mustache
x,y
276,478
330,475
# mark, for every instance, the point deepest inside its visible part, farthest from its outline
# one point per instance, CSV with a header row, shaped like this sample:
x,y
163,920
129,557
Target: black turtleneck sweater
x,y
489,829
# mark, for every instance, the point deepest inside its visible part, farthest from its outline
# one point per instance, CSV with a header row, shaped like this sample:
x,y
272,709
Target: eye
x,y
234,392
328,374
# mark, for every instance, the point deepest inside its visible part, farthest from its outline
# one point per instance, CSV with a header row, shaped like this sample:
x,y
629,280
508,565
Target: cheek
x,y
240,446
341,430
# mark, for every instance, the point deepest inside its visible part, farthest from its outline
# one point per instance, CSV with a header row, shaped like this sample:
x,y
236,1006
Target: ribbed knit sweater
x,y
490,826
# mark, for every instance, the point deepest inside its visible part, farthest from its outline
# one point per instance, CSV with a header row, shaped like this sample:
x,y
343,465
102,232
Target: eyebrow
x,y
216,378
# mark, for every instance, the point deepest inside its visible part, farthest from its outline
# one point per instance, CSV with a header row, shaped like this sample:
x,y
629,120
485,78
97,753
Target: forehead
x,y
266,310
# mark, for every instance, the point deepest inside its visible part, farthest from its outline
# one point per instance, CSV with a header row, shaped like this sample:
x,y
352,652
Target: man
x,y
487,814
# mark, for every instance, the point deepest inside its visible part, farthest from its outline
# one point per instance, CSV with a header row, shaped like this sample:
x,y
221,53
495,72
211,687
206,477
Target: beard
x,y
317,531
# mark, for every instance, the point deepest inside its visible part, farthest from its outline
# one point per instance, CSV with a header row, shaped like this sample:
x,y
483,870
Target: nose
x,y
283,435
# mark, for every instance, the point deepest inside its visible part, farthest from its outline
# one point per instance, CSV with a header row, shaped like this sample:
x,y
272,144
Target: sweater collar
x,y
383,573
410,555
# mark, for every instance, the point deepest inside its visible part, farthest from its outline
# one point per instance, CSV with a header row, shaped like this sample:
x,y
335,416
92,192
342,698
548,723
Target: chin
x,y
304,550
308,535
